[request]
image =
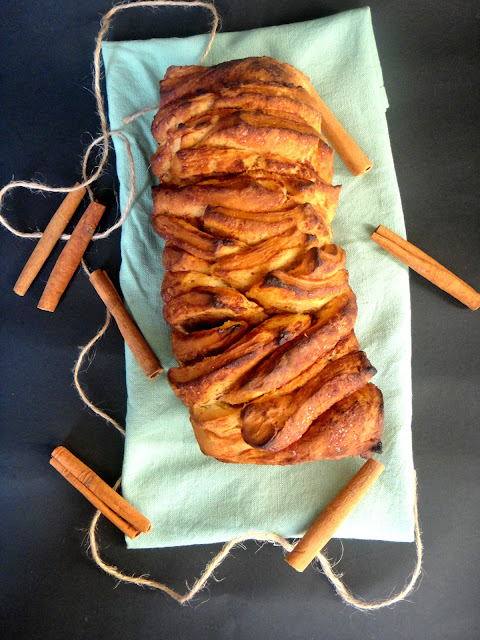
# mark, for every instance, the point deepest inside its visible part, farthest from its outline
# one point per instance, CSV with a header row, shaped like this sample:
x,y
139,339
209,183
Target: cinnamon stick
x,y
346,147
333,515
49,239
129,330
70,257
426,266
100,494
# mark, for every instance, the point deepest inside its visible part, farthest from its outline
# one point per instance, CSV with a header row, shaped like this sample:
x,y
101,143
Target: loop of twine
x,y
103,139
274,539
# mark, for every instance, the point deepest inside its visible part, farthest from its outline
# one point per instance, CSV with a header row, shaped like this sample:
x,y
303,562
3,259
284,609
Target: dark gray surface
x,y
50,587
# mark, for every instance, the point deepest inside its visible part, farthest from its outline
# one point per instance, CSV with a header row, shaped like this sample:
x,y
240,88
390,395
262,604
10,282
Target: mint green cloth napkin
x,y
192,499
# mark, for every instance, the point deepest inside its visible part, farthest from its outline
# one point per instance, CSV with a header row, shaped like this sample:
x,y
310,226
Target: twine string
x,y
274,539
103,140
136,115
76,371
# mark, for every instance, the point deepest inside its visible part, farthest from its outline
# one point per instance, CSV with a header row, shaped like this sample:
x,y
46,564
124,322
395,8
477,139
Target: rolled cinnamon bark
x,y
70,257
426,266
103,497
50,236
333,515
137,344
343,143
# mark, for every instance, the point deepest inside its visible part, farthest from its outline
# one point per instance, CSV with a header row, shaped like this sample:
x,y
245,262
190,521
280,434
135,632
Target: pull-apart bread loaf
x,y
255,292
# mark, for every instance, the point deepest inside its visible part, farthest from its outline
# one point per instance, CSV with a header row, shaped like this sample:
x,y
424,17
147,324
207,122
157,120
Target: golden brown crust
x,y
268,99
252,227
334,322
189,238
256,293
209,342
242,192
178,282
209,379
247,268
180,82
273,424
176,259
351,427
210,306
247,133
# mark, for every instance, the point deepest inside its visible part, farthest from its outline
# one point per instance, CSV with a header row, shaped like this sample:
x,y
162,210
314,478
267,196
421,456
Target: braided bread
x,y
258,299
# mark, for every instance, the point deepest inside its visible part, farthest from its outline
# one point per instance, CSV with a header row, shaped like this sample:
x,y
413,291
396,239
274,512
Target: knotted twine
x,y
103,140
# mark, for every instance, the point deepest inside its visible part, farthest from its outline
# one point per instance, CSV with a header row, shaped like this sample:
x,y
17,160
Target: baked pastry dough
x,y
255,292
